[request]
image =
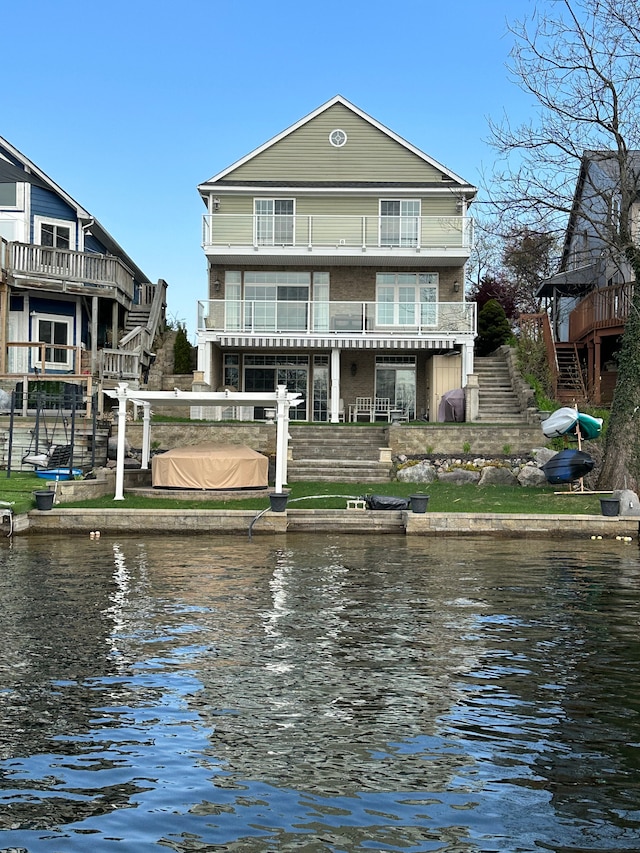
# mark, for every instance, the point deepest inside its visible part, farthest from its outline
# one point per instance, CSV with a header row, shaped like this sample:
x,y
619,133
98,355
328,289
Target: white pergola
x,y
280,400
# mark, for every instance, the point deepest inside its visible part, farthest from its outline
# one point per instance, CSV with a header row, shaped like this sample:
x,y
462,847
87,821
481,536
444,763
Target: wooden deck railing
x,y
603,308
30,261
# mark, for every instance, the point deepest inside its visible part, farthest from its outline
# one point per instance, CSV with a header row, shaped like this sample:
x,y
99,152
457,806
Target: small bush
x,y
493,328
182,351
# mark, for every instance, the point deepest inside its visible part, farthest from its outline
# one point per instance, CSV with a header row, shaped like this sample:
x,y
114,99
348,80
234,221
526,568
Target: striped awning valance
x,y
360,342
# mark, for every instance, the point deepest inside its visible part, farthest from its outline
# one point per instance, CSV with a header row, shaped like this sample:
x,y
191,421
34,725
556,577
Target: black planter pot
x,y
44,499
278,501
610,506
419,503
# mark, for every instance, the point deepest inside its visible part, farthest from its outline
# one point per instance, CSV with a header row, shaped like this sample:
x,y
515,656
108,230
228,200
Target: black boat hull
x,y
568,465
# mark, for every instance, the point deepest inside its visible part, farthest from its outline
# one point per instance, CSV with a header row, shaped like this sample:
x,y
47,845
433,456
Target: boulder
x,y
542,455
423,472
495,475
459,476
629,502
531,475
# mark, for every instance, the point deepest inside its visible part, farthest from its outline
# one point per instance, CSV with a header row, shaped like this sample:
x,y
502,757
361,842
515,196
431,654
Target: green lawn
x,y
444,497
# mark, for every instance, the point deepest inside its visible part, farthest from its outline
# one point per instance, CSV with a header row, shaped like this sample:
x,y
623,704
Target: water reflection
x,y
318,693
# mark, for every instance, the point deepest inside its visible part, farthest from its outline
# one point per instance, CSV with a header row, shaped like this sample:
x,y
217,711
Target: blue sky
x,y
130,105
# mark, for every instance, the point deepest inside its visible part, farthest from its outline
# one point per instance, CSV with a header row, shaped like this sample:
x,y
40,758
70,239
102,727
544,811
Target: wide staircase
x,y
497,401
345,453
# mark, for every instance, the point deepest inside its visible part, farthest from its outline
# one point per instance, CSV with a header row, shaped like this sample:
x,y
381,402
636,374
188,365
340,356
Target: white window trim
x,y
273,216
39,221
415,242
397,324
35,328
19,205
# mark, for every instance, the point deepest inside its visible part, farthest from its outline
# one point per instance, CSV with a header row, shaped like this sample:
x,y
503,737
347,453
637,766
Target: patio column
x,y
466,362
335,385
94,336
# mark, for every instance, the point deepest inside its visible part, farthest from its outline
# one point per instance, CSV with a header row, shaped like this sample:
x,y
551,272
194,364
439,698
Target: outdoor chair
x,y
362,406
381,408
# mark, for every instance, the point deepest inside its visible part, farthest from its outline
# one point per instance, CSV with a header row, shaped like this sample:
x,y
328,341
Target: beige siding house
x,y
336,256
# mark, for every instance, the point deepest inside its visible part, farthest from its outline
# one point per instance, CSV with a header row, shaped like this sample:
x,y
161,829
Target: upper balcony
x,y
63,270
362,240
383,321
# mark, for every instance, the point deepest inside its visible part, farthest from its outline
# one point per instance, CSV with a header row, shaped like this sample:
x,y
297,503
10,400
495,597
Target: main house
x,y
74,307
590,296
336,263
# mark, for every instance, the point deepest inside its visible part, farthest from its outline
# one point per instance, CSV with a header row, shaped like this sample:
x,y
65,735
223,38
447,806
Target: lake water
x,y
318,693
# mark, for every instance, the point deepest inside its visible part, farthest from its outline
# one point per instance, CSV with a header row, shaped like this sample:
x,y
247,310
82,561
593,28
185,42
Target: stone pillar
x,y
472,398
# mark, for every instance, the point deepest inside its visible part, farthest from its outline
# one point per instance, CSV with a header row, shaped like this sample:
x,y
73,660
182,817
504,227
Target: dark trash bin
x,y
610,506
419,503
44,499
278,501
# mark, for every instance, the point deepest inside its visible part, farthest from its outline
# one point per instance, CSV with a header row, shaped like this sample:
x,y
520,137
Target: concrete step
x,y
339,521
332,470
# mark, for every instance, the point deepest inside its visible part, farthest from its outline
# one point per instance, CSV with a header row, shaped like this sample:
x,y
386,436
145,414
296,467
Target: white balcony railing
x,y
337,232
322,318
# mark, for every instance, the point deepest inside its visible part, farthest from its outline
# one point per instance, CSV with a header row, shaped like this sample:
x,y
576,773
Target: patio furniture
x,y
371,408
363,406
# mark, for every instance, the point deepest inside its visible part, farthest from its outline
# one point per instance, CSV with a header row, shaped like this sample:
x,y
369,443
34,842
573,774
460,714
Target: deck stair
x,y
136,317
338,452
571,386
498,402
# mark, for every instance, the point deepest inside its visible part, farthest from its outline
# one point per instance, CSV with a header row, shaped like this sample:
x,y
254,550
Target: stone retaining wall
x,y
149,522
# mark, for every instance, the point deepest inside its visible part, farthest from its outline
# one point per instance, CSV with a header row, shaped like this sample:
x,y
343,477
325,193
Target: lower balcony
x,y
320,319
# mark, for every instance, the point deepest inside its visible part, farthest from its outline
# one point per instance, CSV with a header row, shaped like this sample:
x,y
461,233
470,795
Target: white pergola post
x,y
146,435
335,385
282,436
121,396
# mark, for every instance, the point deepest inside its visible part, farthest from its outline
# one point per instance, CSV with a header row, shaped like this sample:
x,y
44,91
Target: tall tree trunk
x,y
621,464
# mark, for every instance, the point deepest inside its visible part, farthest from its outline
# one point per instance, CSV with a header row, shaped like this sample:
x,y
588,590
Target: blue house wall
x,y
46,203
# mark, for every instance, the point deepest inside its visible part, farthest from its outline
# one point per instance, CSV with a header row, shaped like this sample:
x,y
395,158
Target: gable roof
x,y
607,162
447,174
17,167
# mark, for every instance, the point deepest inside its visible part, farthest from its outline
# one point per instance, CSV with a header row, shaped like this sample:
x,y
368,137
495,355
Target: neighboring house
x,y
74,307
590,295
336,255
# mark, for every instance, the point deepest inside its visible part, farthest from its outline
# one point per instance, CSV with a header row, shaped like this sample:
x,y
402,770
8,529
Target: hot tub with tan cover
x,y
210,466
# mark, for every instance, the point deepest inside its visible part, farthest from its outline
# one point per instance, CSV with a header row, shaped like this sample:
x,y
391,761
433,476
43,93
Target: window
x,y
274,221
58,234
407,299
55,332
276,301
8,195
399,221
